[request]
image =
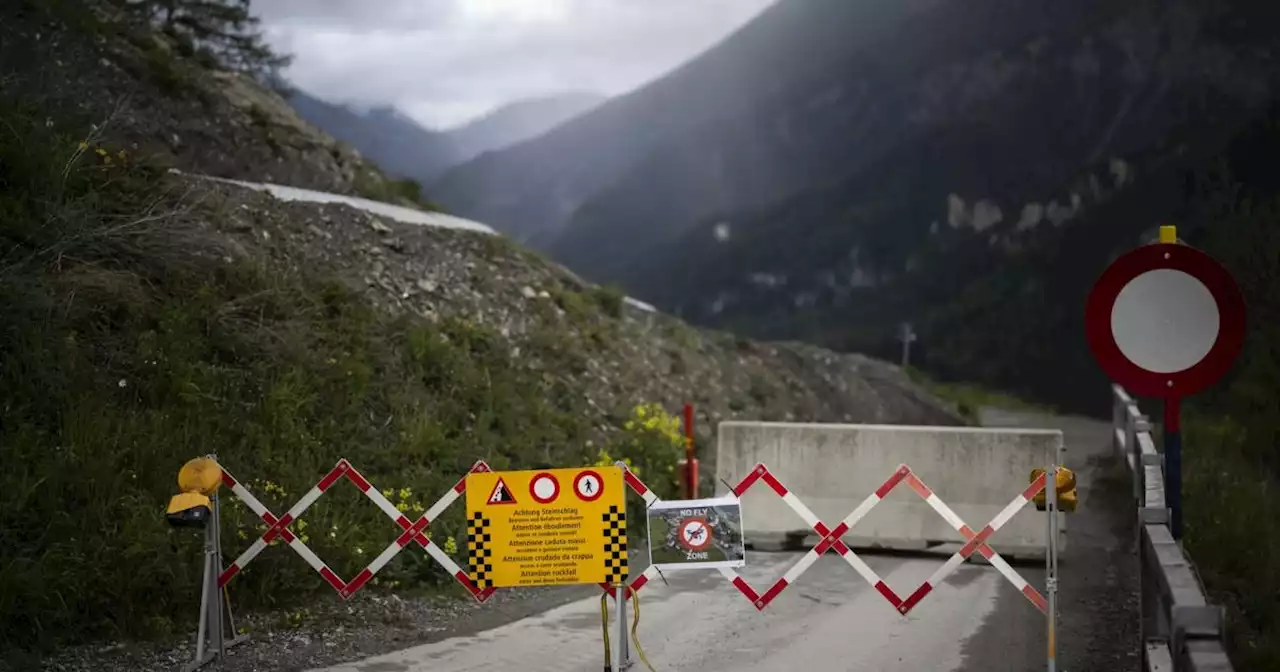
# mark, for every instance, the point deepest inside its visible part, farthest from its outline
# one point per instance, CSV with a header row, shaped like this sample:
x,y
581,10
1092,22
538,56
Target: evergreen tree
x,y
224,30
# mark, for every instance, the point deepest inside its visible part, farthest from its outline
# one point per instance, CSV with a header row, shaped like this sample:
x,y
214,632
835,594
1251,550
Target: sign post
x,y
1166,320
907,335
689,465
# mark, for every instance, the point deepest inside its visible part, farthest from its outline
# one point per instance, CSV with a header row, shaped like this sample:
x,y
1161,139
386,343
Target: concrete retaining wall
x,y
832,468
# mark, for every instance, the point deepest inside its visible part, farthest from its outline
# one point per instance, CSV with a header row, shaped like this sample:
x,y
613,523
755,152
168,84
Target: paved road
x,y
832,620
700,622
1098,572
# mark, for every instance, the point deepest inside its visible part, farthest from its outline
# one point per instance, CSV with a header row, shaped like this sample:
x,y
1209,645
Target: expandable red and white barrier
x,y
830,538
413,531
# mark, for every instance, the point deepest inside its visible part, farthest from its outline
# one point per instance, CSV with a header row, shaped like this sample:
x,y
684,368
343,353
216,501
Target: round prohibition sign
x,y
544,488
695,534
588,485
1165,320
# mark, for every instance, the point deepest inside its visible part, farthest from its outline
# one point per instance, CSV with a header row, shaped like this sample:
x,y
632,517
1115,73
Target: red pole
x,y
690,460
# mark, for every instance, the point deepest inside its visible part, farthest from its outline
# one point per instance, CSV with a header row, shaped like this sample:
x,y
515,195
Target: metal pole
x,y
620,601
626,634
690,459
1172,463
907,336
204,597
1051,581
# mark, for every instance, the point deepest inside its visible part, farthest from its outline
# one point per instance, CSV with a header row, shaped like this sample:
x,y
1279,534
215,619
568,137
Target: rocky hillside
x,y
595,345
165,109
967,166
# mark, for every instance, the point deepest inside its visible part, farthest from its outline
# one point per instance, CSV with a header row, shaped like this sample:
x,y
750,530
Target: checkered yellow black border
x,y
615,547
479,554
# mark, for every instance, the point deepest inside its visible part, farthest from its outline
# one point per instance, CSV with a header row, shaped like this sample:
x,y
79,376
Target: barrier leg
x,y
204,601
217,630
208,601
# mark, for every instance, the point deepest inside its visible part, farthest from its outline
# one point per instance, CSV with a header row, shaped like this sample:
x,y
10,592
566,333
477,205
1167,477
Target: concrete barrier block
x,y
832,468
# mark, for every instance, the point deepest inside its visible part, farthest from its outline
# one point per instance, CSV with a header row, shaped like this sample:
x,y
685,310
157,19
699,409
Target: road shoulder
x,y
1098,571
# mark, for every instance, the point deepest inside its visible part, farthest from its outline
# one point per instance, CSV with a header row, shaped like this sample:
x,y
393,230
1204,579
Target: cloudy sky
x,y
447,61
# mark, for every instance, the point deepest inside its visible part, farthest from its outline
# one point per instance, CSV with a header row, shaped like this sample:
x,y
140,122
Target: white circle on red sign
x,y
695,534
588,486
1165,321
544,488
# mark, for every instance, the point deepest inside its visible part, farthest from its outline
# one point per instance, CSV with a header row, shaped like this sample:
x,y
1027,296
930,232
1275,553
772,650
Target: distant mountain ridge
x,y
386,135
406,149
519,121
694,128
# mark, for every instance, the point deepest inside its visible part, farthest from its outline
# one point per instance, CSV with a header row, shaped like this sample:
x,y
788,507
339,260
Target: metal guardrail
x,y
1181,631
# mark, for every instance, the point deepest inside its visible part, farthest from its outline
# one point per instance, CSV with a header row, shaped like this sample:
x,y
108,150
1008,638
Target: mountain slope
x,y
532,190
519,121
403,148
988,230
960,156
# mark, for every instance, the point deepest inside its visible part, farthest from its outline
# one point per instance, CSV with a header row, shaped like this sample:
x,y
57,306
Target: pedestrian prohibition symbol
x,y
549,527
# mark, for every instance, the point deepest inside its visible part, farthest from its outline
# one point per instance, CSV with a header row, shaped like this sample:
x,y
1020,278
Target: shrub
x,y
370,183
610,300
651,446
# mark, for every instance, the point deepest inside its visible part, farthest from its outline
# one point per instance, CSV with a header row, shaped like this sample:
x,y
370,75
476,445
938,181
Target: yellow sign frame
x,y
547,527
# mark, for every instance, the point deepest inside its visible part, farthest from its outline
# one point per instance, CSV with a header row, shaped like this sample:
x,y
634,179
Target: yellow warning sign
x,y
547,527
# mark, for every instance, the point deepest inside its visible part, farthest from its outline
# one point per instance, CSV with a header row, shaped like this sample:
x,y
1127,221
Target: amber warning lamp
x,y
197,480
1066,484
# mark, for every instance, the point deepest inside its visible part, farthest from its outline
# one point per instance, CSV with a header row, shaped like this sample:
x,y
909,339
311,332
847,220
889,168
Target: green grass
x,y
1232,430
128,345
1232,518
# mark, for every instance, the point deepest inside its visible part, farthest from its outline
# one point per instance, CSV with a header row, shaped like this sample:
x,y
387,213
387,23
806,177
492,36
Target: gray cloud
x,y
445,61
